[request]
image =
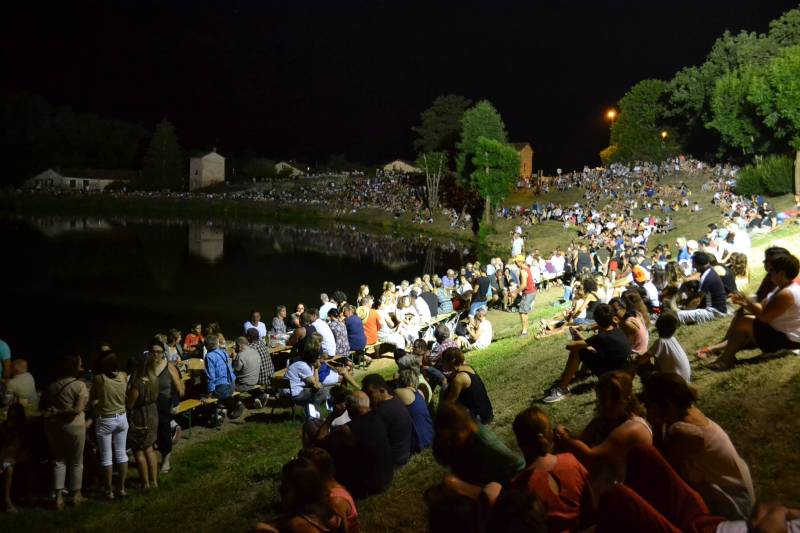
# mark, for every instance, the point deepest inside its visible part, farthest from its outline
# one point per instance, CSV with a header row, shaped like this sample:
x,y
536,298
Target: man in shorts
x,y
527,289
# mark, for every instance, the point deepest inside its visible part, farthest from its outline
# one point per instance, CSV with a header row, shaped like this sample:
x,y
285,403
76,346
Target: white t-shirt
x,y
652,292
516,246
485,334
423,310
297,374
323,311
671,358
261,327
328,340
24,387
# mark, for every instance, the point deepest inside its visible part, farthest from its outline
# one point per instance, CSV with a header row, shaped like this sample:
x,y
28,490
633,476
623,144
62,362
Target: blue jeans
x,y
223,391
475,306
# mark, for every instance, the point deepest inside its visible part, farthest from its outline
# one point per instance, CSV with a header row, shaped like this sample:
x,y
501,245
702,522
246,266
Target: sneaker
x,y
523,334
556,395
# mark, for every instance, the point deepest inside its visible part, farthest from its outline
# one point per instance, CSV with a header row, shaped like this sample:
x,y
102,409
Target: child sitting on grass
x,y
667,352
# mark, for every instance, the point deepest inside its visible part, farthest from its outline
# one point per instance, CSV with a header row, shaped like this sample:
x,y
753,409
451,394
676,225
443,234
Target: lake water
x,y
70,283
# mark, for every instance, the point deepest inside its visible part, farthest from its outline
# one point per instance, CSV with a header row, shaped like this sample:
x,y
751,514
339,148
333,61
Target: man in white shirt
x,y
419,304
517,243
22,386
480,332
327,305
642,278
322,327
255,323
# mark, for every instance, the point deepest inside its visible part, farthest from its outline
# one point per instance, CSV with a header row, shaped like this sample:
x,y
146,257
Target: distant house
x,y
79,181
206,170
525,160
401,166
292,168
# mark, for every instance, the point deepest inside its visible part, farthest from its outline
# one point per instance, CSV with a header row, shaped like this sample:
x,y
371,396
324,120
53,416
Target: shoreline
x,y
225,209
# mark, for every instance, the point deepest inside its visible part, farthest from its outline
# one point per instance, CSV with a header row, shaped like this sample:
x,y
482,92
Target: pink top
x,y
640,341
352,512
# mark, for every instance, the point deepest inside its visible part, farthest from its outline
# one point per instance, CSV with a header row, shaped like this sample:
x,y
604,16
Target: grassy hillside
x,y
227,480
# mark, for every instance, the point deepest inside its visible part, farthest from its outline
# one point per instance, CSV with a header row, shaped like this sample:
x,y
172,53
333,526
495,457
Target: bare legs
x,y
9,477
572,367
147,464
523,317
740,336
123,475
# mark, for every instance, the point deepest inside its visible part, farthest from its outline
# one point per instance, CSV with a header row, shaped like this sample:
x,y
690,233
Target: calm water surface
x,y
72,282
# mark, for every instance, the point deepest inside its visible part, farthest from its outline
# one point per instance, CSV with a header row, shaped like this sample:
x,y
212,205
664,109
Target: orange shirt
x,y
563,509
371,326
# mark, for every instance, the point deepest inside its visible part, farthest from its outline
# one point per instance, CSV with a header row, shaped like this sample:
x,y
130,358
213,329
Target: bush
x,y
773,176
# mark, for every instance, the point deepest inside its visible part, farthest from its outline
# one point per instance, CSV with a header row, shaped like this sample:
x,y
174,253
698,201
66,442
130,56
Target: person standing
x,y
170,391
111,423
527,288
141,402
517,243
65,428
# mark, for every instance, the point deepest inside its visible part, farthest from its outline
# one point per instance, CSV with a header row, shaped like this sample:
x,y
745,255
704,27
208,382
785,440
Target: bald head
x,y
357,403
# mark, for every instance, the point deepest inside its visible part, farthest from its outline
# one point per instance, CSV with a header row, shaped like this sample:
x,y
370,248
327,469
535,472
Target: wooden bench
x,y
276,385
187,407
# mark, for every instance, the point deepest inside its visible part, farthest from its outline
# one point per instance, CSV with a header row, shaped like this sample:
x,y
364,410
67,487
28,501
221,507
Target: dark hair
x,y
517,510
109,364
618,387
701,259
667,324
453,355
304,491
454,512
173,335
333,313
420,345
665,388
340,297
772,251
320,458
252,334
307,317
374,381
589,285
786,264
532,429
70,365
603,315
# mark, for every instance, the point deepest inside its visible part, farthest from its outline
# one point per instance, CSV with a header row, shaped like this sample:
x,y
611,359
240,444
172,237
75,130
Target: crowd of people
x,y
653,462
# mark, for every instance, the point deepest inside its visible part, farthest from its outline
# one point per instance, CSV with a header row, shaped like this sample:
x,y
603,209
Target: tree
x,y
496,171
785,31
440,125
437,135
164,163
775,92
481,120
734,117
636,135
434,164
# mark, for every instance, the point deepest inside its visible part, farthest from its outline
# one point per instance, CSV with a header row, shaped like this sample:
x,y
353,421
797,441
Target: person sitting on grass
x,y
466,387
362,454
697,448
560,481
631,323
479,331
472,452
603,445
341,500
667,352
306,502
581,311
775,322
408,392
394,414
713,304
763,290
606,351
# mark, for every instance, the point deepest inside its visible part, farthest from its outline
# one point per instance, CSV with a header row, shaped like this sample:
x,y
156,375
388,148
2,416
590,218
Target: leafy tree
x,y
776,95
440,124
734,117
785,31
164,165
636,135
259,168
773,175
481,120
434,165
496,170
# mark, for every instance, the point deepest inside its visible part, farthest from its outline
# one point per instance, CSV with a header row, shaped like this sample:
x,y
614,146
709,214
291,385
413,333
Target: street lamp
x,y
611,114
663,135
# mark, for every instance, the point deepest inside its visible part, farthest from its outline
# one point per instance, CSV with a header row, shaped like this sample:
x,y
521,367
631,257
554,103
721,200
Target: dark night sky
x,y
308,79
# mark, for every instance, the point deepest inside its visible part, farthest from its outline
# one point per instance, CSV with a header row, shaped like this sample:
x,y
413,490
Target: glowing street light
x,y
664,135
611,114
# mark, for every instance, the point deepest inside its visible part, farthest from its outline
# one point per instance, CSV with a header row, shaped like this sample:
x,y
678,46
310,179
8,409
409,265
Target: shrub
x,y
774,175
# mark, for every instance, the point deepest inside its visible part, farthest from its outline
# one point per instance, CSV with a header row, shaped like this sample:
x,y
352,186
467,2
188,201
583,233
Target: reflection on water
x,y
72,282
206,242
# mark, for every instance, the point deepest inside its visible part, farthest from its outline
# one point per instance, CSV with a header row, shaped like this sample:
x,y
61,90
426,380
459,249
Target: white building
x,y
206,170
401,166
292,169
50,179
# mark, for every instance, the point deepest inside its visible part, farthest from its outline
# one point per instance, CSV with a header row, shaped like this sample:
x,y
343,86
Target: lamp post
x,y
611,115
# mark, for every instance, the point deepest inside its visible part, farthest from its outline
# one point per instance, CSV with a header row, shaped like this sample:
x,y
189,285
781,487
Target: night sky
x,y
307,79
